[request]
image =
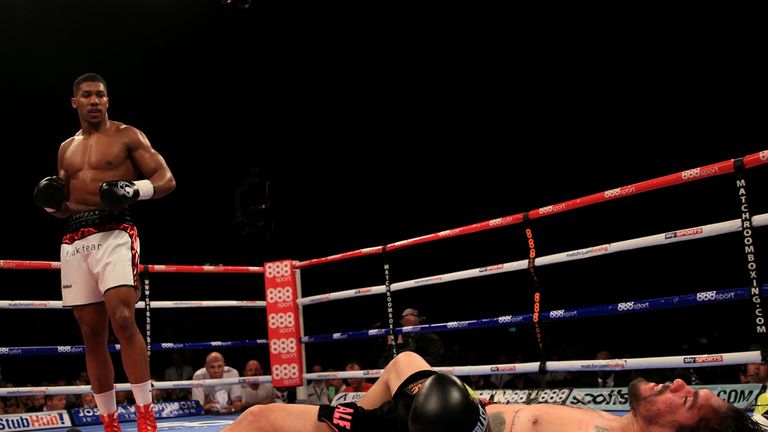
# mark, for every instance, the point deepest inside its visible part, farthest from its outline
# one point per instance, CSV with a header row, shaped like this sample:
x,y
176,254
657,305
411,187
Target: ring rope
x,y
583,253
176,304
686,234
162,346
758,220
670,362
708,171
698,298
720,168
162,385
155,268
686,176
672,302
705,360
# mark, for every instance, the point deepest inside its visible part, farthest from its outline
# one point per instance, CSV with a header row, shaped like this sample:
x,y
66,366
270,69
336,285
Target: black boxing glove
x,y
119,194
50,193
445,404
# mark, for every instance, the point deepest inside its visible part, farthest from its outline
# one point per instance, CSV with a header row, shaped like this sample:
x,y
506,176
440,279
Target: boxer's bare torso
x,y
549,418
87,159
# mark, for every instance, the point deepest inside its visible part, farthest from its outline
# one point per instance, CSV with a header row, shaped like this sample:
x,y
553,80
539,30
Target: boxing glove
x,y
119,194
50,193
445,404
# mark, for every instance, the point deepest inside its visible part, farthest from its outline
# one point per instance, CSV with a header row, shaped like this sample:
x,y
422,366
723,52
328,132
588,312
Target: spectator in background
x,y
70,399
220,399
317,392
428,345
36,403
178,371
55,402
258,393
754,373
13,405
82,379
124,397
87,401
556,379
356,384
158,395
334,386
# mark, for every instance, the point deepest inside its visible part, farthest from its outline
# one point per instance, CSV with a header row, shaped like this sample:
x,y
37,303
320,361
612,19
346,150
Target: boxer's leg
x,y
400,368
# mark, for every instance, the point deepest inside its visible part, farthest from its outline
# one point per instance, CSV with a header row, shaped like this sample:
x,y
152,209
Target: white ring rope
x,y
687,361
641,242
46,304
162,385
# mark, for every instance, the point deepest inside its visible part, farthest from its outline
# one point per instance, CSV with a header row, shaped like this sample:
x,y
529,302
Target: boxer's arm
x,y
151,164
64,210
198,394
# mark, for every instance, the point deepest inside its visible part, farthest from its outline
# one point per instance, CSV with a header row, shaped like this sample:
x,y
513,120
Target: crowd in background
x,y
235,398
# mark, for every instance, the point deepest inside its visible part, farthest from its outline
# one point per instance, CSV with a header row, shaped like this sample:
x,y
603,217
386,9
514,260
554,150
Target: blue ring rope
x,y
704,297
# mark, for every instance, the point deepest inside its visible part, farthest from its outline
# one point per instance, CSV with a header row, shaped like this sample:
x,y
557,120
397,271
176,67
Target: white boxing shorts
x,y
97,256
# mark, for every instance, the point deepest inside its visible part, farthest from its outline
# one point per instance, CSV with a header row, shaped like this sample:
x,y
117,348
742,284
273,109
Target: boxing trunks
x,y
392,416
99,251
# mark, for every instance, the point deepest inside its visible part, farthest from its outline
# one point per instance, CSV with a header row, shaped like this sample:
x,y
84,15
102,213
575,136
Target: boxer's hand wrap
x,y
119,194
50,194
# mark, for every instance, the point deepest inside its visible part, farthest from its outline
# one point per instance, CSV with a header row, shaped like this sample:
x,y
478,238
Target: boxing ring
x,y
530,309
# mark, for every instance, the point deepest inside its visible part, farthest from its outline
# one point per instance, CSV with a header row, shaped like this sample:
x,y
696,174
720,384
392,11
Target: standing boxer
x,y
104,168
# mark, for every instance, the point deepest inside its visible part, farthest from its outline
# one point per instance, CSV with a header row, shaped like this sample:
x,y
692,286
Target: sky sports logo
x,y
507,368
684,233
703,359
491,268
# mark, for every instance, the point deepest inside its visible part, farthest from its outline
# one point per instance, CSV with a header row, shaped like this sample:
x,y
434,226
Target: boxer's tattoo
x,y
514,416
497,422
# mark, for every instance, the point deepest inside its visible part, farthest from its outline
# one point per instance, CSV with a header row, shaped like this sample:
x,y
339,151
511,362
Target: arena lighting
x,y
242,4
